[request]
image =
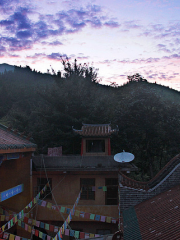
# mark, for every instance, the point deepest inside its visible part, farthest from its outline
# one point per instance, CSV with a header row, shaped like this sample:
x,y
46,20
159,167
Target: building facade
x,y
94,171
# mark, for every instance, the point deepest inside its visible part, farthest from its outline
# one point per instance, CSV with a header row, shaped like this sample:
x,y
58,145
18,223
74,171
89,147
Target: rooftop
x,y
81,163
10,139
96,130
156,218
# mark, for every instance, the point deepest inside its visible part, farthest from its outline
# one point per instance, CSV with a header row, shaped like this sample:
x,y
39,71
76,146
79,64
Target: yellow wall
x,y
66,189
12,173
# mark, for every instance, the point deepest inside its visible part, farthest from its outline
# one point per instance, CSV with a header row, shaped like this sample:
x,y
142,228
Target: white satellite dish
x,y
123,157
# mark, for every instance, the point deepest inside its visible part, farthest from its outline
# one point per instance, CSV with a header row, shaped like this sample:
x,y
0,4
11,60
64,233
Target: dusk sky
x,y
119,37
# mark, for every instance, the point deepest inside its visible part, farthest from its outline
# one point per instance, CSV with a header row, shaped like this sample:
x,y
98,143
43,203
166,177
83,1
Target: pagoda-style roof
x,y
95,130
11,141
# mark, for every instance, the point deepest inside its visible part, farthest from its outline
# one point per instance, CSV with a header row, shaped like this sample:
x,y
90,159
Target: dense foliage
x,y
48,105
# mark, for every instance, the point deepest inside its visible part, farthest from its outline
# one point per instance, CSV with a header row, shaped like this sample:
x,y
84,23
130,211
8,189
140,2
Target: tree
x,y
136,78
85,71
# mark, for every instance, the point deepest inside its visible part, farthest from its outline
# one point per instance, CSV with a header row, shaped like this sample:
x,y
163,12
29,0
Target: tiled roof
x,y
94,130
11,140
158,217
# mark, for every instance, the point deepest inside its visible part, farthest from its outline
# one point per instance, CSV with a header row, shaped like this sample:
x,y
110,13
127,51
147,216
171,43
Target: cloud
x,y
24,34
13,44
162,47
21,30
112,24
131,25
55,43
6,22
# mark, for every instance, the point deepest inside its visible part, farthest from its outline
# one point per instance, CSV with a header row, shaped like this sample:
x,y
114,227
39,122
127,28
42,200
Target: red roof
x,y
159,217
95,130
12,140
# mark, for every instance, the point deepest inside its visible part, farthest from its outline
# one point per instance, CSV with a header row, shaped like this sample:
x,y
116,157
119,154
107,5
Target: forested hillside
x,y
48,105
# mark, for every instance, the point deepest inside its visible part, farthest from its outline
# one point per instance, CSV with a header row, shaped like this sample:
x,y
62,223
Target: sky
x,y
117,37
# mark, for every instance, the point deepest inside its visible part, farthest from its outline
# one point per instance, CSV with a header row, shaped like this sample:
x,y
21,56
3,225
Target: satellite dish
x,y
123,157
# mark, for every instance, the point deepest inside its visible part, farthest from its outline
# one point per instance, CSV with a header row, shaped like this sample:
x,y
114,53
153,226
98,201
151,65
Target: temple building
x,y
94,171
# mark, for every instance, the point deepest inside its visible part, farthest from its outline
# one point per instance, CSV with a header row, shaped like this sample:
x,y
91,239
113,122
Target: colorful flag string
x,y
67,221
77,213
20,215
67,232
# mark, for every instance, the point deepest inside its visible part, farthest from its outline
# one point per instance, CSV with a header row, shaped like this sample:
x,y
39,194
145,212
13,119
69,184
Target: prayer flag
x,y
25,219
92,216
41,225
97,235
77,213
33,222
82,214
71,233
103,219
113,220
43,236
26,227
87,215
62,209
97,218
37,223
22,224
51,228
40,234
108,219
104,188
43,203
86,235
11,237
29,229
76,234
47,226
67,232
68,210
49,205
6,235
82,235
29,221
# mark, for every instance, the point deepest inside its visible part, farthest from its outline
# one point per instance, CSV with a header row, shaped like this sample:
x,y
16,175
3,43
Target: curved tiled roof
x,y
126,181
95,130
11,140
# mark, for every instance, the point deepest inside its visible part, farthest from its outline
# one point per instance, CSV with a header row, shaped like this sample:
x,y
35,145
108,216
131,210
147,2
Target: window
x,y
112,191
95,146
41,182
87,184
